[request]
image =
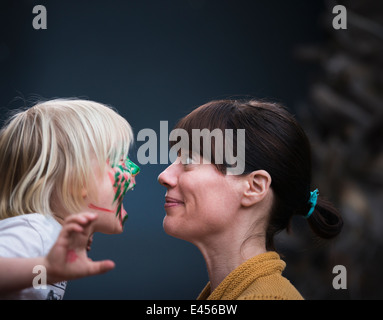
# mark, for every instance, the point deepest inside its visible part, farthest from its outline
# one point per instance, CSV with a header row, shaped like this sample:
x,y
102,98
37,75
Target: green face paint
x,y
134,169
121,180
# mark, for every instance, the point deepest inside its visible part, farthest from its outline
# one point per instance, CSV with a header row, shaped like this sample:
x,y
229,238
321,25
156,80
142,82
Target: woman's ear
x,y
257,187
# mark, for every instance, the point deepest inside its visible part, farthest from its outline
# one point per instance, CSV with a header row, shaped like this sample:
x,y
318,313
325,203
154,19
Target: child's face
x,y
110,189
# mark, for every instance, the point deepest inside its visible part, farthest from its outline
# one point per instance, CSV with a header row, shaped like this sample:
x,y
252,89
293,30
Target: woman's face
x,y
200,201
110,188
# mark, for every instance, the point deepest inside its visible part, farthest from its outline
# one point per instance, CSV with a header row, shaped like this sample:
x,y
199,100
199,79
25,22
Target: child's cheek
x,y
115,178
111,174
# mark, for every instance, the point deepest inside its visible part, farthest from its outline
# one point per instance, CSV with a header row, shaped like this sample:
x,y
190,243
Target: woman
x,y
233,219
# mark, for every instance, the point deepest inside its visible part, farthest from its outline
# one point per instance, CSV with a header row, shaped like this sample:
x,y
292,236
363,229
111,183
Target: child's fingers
x,y
67,231
98,267
76,223
72,227
81,218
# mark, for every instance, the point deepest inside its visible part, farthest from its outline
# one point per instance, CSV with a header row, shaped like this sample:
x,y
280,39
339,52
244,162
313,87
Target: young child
x,y
64,170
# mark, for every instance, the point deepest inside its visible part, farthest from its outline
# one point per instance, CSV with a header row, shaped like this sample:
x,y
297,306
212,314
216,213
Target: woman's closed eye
x,y
187,159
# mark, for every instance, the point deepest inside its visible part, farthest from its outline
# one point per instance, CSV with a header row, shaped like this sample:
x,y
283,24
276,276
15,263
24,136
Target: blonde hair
x,y
46,151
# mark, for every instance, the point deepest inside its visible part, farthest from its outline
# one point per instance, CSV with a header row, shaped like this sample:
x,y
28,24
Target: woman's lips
x,y
172,202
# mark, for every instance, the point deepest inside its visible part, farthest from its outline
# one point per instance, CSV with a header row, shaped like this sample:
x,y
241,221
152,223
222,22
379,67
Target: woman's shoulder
x,y
272,287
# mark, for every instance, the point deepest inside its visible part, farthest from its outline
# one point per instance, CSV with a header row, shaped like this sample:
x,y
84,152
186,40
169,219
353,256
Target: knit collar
x,y
243,276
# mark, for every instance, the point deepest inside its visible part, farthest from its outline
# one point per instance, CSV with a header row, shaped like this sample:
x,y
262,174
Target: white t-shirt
x,y
31,235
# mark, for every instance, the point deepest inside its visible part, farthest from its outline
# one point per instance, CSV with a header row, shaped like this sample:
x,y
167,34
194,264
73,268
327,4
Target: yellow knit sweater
x,y
259,278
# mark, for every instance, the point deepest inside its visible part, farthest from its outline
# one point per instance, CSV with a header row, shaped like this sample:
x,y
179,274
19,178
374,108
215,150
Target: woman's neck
x,y
222,257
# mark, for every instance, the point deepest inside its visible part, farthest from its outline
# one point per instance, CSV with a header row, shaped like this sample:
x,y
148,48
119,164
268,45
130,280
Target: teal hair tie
x,y
312,202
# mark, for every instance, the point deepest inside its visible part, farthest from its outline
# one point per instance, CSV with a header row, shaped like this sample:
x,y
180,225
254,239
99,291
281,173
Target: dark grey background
x,y
153,60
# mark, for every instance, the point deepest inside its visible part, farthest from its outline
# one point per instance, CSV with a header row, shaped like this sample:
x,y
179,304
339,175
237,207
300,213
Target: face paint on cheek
x,y
121,181
92,206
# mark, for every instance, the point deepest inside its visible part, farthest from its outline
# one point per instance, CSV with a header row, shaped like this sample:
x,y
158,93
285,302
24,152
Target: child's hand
x,y
68,257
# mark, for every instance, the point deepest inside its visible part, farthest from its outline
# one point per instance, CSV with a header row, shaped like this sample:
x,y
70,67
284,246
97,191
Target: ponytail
x,y
325,221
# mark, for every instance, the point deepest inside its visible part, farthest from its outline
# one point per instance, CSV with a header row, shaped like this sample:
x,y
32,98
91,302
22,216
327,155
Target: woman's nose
x,y
168,177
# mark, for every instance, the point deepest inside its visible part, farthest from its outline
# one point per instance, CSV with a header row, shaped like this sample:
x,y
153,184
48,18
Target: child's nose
x,y
134,169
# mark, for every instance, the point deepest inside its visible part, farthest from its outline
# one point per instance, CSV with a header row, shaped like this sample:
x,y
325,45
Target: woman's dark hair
x,y
275,142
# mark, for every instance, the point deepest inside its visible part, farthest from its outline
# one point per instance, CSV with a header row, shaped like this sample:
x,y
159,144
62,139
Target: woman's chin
x,y
174,229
